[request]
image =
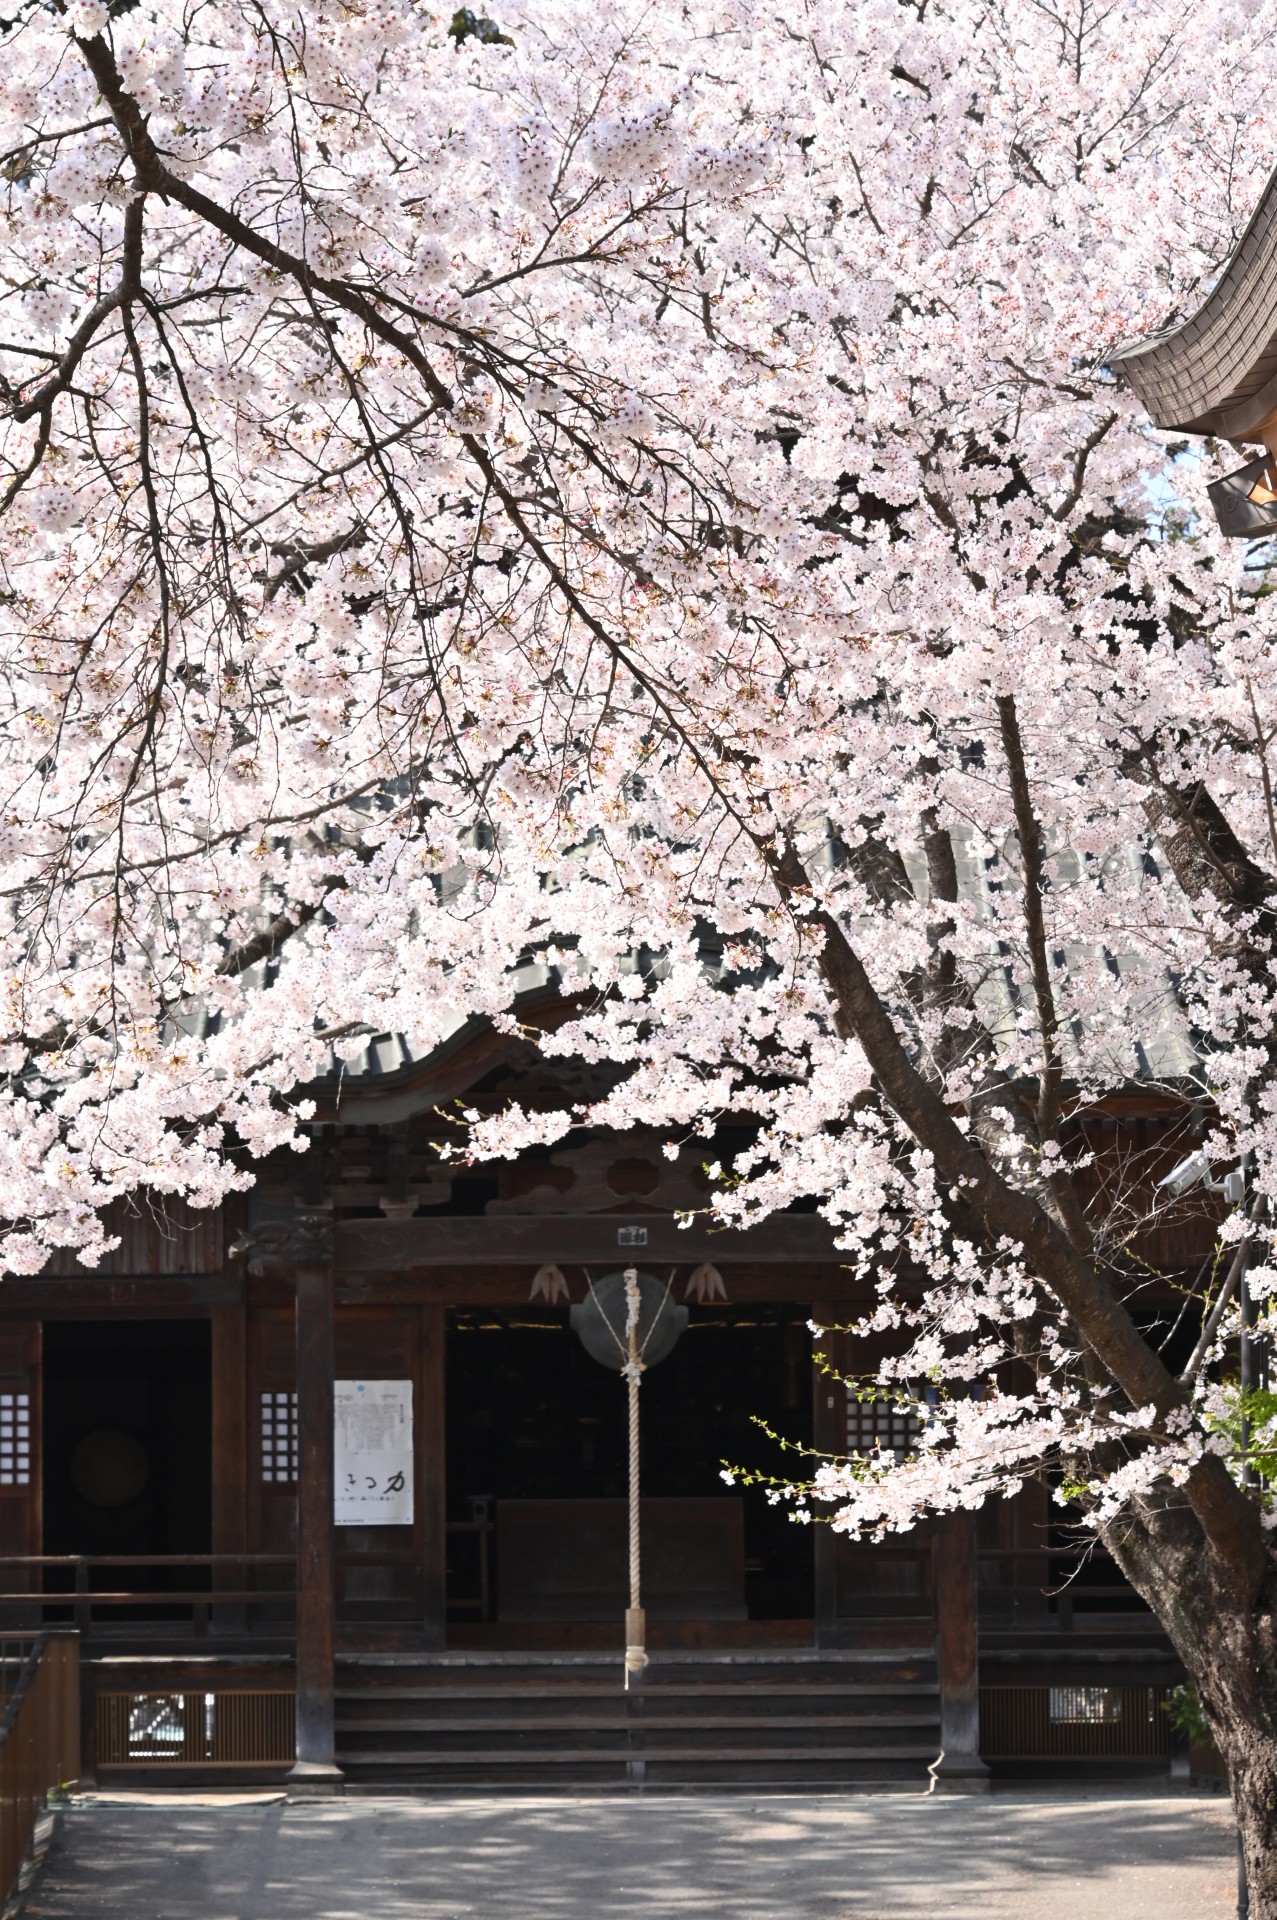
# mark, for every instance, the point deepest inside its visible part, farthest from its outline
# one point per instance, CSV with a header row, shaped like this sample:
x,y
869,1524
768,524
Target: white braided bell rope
x,y
635,1656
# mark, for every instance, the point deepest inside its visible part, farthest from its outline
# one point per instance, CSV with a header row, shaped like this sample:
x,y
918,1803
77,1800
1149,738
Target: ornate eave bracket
x,y
277,1248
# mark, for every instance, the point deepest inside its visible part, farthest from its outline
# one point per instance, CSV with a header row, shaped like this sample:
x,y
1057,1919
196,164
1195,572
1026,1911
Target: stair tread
x,y
792,1658
569,1756
647,1724
613,1688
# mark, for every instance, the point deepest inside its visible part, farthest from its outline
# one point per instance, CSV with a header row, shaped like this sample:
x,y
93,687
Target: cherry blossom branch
x,y
1081,460
128,287
1228,1519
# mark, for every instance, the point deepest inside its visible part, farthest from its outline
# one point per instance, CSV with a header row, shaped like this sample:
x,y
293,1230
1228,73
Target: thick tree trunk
x,y
1252,1765
1238,1688
1229,1650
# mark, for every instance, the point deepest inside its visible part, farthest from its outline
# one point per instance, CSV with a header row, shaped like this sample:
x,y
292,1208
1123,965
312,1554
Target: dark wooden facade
x,y
201,1361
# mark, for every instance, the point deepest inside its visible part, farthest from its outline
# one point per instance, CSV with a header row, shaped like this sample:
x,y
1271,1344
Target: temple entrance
x,y
127,1446
536,1462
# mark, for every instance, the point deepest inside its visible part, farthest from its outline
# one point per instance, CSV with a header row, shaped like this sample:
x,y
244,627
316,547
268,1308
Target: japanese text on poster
x,y
372,1453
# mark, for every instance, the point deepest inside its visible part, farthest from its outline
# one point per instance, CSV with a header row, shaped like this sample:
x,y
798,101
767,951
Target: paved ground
x,y
1011,1857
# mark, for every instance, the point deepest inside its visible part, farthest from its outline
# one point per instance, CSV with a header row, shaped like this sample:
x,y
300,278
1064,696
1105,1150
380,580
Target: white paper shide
x,y
372,1453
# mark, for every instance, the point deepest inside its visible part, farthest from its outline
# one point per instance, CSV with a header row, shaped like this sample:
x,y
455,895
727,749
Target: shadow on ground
x,y
746,1858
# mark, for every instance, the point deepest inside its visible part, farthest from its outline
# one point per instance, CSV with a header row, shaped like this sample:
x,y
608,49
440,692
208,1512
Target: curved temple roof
x,y
1216,372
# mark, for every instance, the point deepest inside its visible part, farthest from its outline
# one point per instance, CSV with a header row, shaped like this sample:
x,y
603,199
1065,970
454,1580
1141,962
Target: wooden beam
x,y
92,1297
316,1770
508,1286
533,1240
959,1768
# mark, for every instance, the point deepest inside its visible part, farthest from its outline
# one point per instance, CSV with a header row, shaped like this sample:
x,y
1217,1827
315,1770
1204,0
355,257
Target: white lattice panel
x,y
279,1438
878,1426
15,1440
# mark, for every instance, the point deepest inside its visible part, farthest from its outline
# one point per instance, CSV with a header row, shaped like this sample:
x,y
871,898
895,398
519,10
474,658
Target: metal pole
x,y
1248,1372
635,1624
1248,1380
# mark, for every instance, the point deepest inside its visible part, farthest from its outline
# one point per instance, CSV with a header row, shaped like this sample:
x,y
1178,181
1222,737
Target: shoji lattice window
x,y
1085,1706
878,1425
279,1438
15,1440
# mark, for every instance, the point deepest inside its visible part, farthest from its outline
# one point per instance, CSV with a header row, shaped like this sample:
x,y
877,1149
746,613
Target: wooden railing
x,y
39,1744
194,1589
1047,1583
75,1587
1026,1585
243,1591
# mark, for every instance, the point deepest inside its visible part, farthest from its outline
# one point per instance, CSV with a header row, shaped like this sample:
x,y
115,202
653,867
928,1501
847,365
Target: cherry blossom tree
x,y
640,489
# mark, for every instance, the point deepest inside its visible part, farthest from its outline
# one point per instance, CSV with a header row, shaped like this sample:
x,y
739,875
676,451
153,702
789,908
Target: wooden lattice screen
x,y
224,1729
1074,1722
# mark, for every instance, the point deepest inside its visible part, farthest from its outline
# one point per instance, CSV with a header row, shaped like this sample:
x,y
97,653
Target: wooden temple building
x,y
167,1434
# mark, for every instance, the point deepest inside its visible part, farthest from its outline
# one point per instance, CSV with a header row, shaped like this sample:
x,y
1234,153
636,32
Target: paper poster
x,y
372,1453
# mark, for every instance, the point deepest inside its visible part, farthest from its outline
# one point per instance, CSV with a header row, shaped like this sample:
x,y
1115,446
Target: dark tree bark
x,y
1229,1651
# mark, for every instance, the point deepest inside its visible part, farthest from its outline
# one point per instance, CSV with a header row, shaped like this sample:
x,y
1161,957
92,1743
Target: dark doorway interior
x,y
128,1442
532,1417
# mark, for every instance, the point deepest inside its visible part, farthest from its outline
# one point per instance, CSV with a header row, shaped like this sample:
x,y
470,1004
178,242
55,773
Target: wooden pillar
x,y
829,1436
959,1768
432,1479
229,1328
316,1770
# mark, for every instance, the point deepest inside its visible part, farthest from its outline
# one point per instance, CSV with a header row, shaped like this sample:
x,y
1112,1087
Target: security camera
x,y
1188,1174
1195,1172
